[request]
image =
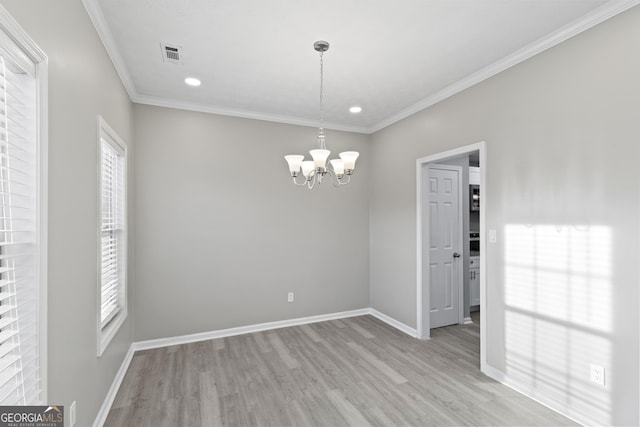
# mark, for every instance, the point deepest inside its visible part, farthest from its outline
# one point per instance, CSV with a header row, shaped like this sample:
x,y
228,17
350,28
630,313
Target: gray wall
x,y
223,235
82,84
562,192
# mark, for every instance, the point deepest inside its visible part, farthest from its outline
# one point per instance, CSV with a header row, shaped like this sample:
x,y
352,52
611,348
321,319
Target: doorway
x,y
423,277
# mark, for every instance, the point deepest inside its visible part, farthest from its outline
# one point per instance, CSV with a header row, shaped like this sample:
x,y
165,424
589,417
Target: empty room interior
x,y
451,239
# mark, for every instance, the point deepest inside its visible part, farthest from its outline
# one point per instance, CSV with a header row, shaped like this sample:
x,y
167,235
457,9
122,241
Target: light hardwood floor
x,y
356,372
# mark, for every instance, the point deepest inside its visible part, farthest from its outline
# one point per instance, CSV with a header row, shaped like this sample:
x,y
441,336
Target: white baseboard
x,y
113,390
504,379
495,374
203,336
393,322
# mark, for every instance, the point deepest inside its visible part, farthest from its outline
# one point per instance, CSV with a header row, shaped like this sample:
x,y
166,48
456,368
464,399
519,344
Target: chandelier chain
x,y
321,130
321,89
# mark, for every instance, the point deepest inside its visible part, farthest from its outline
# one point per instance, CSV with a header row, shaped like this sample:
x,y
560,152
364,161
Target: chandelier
x,y
314,171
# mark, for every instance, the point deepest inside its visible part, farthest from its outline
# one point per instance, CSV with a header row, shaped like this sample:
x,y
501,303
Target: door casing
x,y
422,287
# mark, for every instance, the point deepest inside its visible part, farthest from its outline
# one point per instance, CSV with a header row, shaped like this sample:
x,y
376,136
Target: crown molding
x,y
245,114
597,16
100,24
97,18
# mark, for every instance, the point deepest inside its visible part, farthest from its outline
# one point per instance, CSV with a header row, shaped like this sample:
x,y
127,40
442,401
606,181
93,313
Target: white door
x,y
444,232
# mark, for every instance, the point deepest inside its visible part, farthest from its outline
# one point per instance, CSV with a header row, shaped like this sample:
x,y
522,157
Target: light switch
x,y
492,236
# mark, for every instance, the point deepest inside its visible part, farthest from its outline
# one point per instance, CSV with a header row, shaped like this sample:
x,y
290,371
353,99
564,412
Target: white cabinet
x,y
474,281
474,175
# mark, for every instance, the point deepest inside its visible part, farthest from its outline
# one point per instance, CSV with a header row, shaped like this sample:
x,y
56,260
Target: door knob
x,y
456,255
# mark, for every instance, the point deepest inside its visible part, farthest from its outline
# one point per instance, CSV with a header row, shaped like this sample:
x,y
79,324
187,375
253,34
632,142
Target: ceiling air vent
x,y
171,53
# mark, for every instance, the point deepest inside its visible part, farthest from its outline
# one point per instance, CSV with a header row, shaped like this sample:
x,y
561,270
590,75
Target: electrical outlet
x,y
72,414
290,297
597,374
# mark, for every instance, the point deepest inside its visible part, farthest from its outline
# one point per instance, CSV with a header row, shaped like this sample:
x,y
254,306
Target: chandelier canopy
x,y
315,170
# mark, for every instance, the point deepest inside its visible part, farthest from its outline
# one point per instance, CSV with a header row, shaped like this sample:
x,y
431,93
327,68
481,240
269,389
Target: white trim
x,y
467,321
419,321
241,113
104,32
505,380
495,374
484,167
21,38
41,67
394,323
422,322
240,330
107,333
488,370
591,19
595,17
100,24
103,412
42,100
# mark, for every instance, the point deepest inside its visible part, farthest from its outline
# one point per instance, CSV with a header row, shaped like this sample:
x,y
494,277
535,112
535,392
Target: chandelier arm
x,y
312,182
296,182
333,178
344,180
347,181
337,182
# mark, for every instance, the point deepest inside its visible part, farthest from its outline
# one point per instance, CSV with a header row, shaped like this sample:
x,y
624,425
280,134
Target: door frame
x,y
422,289
459,266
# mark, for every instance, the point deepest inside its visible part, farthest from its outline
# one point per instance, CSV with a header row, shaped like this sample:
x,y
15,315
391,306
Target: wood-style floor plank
x,y
350,372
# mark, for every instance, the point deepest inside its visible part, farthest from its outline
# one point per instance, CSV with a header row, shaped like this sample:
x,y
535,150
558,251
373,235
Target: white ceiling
x,y
391,57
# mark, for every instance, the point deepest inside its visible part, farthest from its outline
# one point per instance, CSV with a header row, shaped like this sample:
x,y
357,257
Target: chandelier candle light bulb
x,y
315,170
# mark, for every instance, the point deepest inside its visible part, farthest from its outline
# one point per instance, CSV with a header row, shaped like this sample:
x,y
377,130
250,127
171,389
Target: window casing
x,y
22,217
112,250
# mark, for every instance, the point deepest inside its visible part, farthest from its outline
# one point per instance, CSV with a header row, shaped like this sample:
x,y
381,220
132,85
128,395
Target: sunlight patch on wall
x,y
558,316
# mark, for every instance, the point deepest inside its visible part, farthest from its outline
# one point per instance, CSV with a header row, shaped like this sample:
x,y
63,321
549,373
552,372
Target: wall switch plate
x,y
597,374
493,236
72,414
290,297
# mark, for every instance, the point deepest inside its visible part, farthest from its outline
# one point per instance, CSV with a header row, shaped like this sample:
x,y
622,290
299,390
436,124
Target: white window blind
x,y
20,373
112,307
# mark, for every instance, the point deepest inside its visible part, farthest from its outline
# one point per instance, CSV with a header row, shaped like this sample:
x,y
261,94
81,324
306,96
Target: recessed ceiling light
x,y
355,109
192,81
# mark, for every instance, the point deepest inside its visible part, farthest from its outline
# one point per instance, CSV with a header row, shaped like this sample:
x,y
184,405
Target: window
x,y
112,305
22,217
